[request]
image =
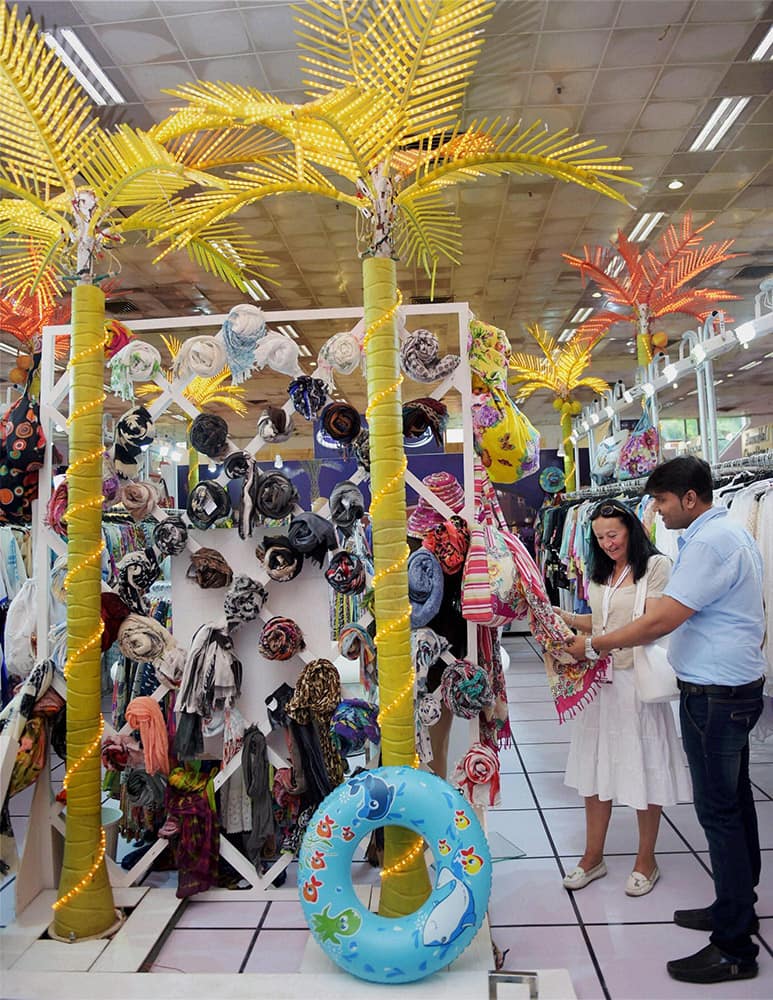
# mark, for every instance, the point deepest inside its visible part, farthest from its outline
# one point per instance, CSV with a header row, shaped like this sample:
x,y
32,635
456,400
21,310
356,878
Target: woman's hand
x,y
576,647
563,615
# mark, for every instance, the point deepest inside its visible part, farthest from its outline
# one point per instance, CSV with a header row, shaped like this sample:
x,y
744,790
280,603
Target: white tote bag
x,y
653,676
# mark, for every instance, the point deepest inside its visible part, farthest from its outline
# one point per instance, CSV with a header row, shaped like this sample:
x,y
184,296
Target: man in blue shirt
x,y
713,608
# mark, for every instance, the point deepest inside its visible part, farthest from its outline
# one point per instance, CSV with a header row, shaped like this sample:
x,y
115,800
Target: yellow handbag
x,y
507,442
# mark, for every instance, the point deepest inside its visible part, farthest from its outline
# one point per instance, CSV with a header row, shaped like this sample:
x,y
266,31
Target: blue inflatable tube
x,y
381,949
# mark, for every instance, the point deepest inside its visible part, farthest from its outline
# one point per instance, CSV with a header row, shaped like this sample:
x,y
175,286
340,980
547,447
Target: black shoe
x,y
700,920
709,965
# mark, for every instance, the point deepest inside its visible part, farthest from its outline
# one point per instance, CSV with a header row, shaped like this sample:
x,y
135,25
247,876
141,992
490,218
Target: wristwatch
x,y
590,652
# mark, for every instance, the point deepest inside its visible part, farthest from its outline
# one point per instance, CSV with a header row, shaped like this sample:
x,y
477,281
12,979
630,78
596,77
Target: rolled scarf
x,y
316,697
244,600
347,506
203,356
243,327
136,574
145,714
280,639
274,425
120,752
246,511
111,484
465,689
276,496
255,772
341,422
208,502
136,362
361,450
18,711
237,465
170,536
118,336
143,639
346,573
420,357
312,535
354,723
308,395
212,677
113,612
419,415
449,542
139,499
340,353
425,587
476,775
280,353
426,649
134,430
209,434
209,569
280,560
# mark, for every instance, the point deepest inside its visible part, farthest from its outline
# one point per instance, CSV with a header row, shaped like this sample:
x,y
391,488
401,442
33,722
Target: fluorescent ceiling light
x,y
644,226
596,295
751,364
84,68
726,112
566,334
305,352
615,266
765,49
7,349
255,290
581,315
594,418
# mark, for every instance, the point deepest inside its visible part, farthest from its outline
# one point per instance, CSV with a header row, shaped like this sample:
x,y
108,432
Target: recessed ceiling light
x,y
675,184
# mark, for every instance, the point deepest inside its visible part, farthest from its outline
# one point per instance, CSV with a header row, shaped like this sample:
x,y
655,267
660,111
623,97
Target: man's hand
x,y
577,647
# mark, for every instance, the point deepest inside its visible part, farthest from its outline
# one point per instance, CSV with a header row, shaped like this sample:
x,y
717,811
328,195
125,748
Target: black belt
x,y
720,689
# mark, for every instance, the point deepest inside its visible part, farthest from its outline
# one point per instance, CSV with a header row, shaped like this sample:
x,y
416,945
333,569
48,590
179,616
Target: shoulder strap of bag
x,y
640,597
490,511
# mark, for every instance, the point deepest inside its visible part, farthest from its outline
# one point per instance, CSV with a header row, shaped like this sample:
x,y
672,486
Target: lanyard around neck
x,y
607,598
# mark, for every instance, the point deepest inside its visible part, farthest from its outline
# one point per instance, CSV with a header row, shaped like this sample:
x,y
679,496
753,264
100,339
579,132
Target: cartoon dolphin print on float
x,y
377,795
453,911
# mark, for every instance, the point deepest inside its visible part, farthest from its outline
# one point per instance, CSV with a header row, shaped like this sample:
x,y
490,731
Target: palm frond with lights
x,y
200,391
558,369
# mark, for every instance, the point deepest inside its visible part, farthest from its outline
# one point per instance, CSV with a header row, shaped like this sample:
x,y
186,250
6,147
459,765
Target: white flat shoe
x,y
640,885
579,878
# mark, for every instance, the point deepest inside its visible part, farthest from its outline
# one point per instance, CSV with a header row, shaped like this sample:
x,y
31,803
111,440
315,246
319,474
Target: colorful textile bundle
x,y
465,689
476,775
341,422
355,642
316,697
340,353
120,752
136,362
209,434
110,481
426,649
242,328
424,516
145,714
56,510
203,356
237,465
198,843
170,536
18,711
243,600
118,336
274,425
420,357
425,587
280,639
354,723
346,573
143,639
280,353
276,496
30,756
488,351
449,542
208,502
308,395
139,499
494,725
419,415
135,574
209,568
504,438
312,535
113,612
347,506
134,430
280,560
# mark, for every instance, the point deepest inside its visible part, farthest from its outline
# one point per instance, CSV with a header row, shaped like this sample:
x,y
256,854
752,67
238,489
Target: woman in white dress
x,y
623,751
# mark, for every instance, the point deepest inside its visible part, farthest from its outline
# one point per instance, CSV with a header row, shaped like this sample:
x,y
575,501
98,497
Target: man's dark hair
x,y
681,475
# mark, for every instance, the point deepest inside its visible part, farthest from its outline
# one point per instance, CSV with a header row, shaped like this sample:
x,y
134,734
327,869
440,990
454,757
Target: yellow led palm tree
x,y
382,134
559,369
67,190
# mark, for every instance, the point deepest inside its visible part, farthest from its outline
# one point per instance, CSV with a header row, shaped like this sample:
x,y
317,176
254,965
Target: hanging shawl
x,y
280,560
170,536
429,709
133,431
465,689
143,639
346,573
494,724
209,434
488,351
208,502
243,601
237,465
136,574
287,804
275,425
18,711
420,357
243,327
198,845
203,356
212,677
308,395
426,649
280,353
354,722
113,612
476,775
209,568
280,639
341,422
145,714
30,756
136,362
246,512
312,535
276,496
419,415
145,791
347,506
356,643
317,695
449,542
361,450
256,782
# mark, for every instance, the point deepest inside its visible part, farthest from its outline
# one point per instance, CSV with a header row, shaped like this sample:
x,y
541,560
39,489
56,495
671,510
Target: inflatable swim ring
x,y
382,949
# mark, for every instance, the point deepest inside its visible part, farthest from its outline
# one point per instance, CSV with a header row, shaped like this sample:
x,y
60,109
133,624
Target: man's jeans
x,y
715,731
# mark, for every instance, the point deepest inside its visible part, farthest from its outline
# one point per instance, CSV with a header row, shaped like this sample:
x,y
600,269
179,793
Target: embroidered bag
x,y
607,455
504,438
22,445
639,455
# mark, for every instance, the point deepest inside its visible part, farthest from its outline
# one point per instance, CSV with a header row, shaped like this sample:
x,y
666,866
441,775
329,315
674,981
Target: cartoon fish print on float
x,y
454,910
378,796
333,927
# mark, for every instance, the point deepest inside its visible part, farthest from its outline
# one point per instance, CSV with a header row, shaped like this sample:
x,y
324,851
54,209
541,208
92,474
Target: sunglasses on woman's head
x,y
609,510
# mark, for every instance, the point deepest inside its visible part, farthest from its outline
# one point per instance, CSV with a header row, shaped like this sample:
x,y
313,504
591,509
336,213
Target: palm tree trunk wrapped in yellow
x,y
85,904
566,430
405,884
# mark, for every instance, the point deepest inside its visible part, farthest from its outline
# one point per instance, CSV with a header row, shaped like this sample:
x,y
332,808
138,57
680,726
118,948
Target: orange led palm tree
x,y
649,286
559,369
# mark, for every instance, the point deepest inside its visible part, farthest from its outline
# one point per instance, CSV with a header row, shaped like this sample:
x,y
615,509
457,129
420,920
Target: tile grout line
x,y
258,929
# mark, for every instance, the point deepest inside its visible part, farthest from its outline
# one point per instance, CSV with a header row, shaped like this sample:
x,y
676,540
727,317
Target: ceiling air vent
x,y
427,300
754,272
120,307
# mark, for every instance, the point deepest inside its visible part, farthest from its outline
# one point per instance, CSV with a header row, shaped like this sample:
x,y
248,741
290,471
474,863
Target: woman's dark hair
x,y
640,548
681,474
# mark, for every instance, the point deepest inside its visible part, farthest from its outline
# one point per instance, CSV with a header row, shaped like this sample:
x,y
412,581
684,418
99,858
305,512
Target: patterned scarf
x,y
424,413
243,327
346,573
199,842
280,639
449,542
308,395
477,776
209,568
280,560
317,695
465,689
313,535
420,357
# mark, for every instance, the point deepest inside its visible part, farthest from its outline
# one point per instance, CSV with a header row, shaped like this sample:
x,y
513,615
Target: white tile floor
x,y
614,946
